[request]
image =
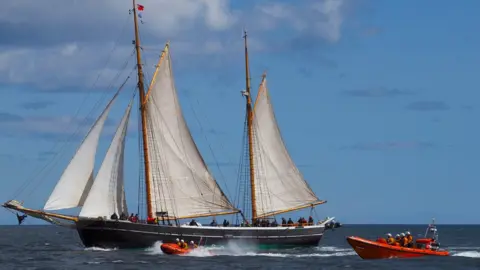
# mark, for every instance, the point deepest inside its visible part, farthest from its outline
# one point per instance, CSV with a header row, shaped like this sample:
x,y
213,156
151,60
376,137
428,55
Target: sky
x,y
377,100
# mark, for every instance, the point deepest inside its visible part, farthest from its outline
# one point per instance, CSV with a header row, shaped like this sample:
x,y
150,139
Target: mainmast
x,y
250,132
141,89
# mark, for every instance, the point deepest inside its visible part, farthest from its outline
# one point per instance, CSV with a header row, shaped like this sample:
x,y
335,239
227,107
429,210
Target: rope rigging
x,y
41,173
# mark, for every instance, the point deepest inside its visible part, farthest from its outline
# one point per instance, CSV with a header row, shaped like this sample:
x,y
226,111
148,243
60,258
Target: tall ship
x,y
177,184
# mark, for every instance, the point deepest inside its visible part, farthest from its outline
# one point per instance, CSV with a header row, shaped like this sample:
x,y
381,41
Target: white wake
x,y
239,249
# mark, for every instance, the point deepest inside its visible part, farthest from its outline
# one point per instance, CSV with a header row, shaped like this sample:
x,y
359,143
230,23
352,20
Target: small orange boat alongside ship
x,y
379,249
174,249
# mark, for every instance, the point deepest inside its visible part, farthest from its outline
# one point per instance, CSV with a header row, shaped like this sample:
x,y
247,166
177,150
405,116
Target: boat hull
x,y
124,234
369,250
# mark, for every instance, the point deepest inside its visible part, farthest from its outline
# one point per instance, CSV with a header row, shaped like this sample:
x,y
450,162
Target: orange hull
x,y
368,250
174,249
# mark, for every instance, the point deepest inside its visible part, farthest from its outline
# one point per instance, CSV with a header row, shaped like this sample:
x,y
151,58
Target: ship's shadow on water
x,y
49,247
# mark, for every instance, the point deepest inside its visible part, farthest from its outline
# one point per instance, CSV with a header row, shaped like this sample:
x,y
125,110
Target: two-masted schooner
x,y
178,184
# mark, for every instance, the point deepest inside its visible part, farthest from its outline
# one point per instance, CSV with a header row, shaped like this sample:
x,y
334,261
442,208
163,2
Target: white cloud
x,y
323,18
65,43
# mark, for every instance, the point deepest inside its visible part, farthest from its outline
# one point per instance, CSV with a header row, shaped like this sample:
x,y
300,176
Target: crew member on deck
x,y
193,245
409,239
310,221
274,223
290,222
213,223
178,242
284,222
390,239
226,223
114,216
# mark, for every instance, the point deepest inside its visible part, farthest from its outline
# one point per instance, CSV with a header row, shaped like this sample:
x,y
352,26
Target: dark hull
x,y
122,234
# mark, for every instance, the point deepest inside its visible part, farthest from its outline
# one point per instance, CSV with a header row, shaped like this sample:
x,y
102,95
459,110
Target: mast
x,y
141,89
250,132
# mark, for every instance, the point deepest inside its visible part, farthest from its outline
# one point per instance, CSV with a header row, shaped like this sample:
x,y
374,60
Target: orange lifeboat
x,y
427,246
367,249
174,249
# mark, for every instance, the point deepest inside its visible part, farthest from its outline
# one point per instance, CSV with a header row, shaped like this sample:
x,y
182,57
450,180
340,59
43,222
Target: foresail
x,y
107,195
181,182
279,186
76,181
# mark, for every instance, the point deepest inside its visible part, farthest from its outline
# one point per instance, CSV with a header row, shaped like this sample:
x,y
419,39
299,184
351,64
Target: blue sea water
x,y
51,247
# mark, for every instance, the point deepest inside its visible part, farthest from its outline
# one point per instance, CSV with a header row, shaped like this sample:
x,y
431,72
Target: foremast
x,y
247,94
142,96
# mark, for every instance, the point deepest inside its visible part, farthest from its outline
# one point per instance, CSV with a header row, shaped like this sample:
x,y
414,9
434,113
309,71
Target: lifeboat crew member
x,y
193,245
390,239
178,242
183,244
403,240
409,239
398,240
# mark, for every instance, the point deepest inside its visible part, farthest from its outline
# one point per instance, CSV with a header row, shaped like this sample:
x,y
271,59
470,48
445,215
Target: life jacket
x,y
404,241
391,241
409,238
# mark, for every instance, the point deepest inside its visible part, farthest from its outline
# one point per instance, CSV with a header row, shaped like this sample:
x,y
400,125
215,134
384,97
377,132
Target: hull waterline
x,y
126,235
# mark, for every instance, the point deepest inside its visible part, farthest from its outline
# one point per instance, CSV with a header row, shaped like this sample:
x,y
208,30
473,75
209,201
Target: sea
x,y
51,247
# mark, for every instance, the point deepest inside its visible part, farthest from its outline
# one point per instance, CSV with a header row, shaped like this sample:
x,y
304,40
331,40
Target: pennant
x,y
20,218
140,7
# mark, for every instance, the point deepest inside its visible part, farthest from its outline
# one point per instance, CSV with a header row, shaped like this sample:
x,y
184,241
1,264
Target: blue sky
x,y
377,100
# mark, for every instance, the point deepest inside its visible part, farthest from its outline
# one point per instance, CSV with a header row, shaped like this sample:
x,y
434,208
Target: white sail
x,y
181,182
279,186
76,181
107,195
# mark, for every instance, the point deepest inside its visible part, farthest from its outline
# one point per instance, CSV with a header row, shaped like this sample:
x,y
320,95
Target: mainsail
x,y
182,185
279,185
107,194
77,179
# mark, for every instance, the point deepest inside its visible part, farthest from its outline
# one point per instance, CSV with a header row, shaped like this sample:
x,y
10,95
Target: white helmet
x,y
177,239
182,241
407,233
398,235
389,234
191,242
402,234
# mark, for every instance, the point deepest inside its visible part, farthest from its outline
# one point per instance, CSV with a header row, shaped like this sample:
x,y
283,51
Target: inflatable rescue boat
x,y
174,249
379,249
